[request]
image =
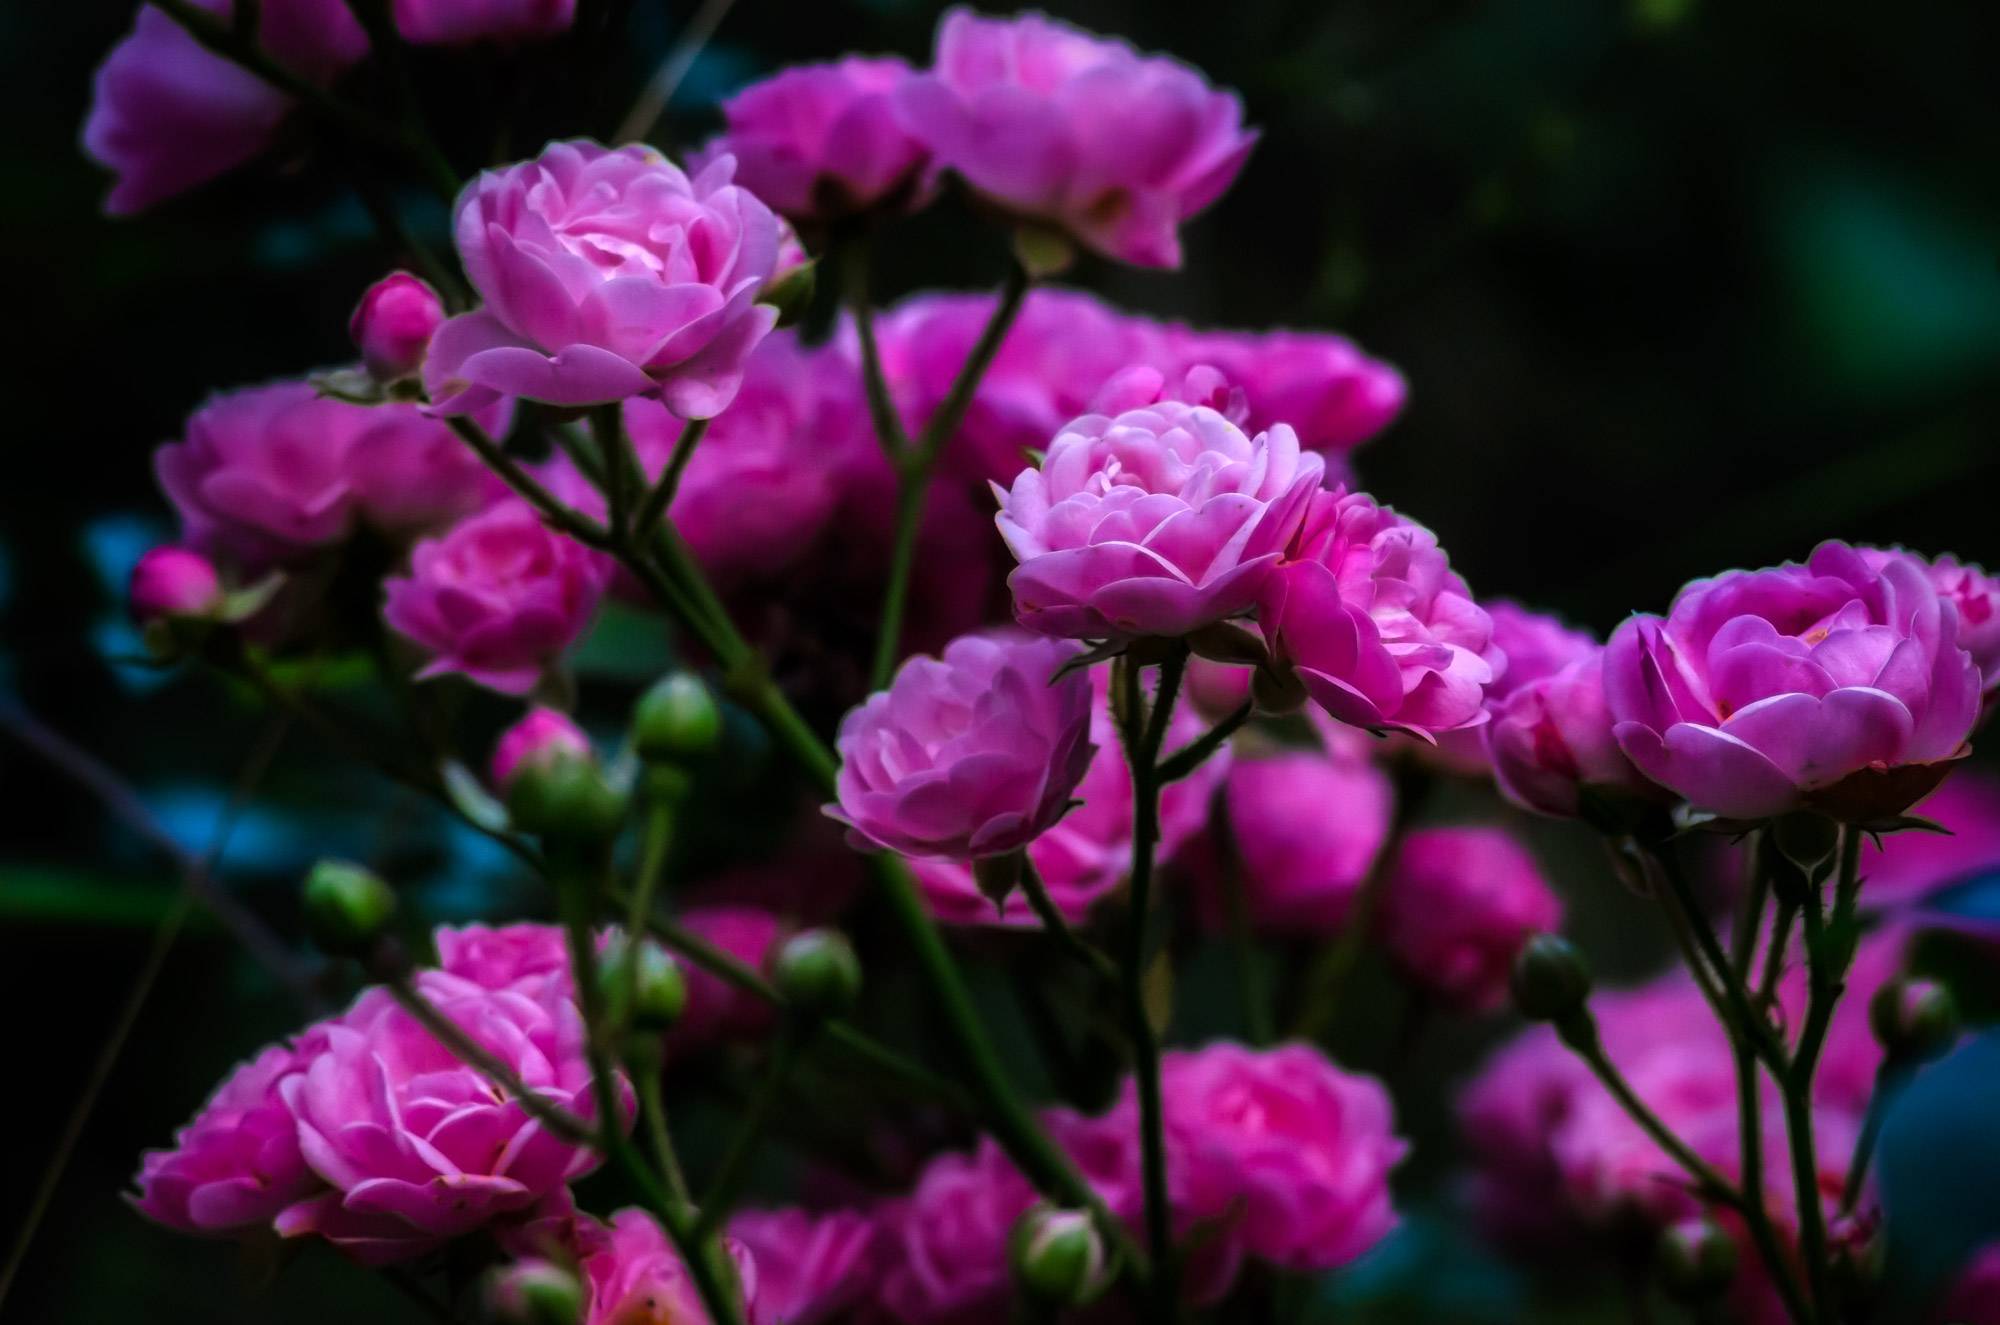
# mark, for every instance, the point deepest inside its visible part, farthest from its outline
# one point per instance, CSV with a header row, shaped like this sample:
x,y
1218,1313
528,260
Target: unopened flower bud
x,y
1059,1257
347,908
544,767
1916,1020
997,877
1697,1260
535,1292
817,973
542,737
393,324
659,990
677,720
174,583
1550,980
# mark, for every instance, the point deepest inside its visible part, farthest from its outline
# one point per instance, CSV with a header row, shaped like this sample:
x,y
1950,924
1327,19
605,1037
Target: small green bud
x,y
566,796
347,908
1916,1020
1697,1260
817,972
1058,1257
1550,980
677,720
659,993
535,1292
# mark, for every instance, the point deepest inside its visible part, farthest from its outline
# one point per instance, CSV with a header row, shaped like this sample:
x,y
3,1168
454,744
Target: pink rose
x,y
632,1274
458,22
237,1164
1976,595
539,739
822,141
971,754
715,1009
1054,124
1384,634
393,324
1552,749
947,1240
1904,868
607,273
173,582
497,599
811,1268
523,958
1532,645
1331,393
167,114
1459,904
1836,683
1156,522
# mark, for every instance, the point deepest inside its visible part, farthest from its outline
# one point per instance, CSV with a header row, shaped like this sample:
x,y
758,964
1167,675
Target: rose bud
x,y
1550,979
677,720
393,324
347,908
535,1292
659,990
817,972
1058,1257
1697,1260
1915,1020
174,582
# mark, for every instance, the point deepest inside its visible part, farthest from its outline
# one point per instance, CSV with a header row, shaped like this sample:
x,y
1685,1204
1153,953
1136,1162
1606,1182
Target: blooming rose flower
x,y
971,754
1551,746
633,1276
1905,868
822,141
1836,683
409,473
457,22
715,1009
167,114
1088,852
540,738
1384,634
947,1240
1156,522
1532,645
393,324
810,1267
497,599
1331,393
237,1164
1976,595
1304,827
1052,123
526,958
607,273
173,582
1459,904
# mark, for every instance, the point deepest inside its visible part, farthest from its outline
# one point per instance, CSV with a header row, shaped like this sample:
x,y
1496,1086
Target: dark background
x,y
1676,285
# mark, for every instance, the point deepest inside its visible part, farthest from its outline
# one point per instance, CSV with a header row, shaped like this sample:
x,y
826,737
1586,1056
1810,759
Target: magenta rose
x,y
972,754
1157,522
1531,645
523,958
497,599
167,114
1334,395
1837,683
1054,124
811,1268
717,1010
237,1164
607,273
822,141
632,1274
393,324
1459,904
1384,634
1552,750
458,22
1976,596
172,582
946,1241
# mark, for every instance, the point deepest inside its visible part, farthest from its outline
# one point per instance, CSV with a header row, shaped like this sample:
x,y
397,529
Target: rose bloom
x,y
1976,595
457,22
822,141
1051,123
1154,523
633,1276
167,114
393,324
972,754
607,273
946,1242
497,599
1552,750
1088,852
811,1268
1459,904
1905,869
237,1164
524,958
1330,392
1839,684
1384,634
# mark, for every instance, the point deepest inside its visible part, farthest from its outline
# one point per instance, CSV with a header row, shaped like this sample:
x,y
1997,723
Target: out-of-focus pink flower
x,y
1459,904
1840,683
1551,746
633,1276
822,141
1532,645
410,474
523,958
1976,596
167,114
1384,634
1908,866
540,738
1055,124
237,1164
418,1147
458,22
947,1240
810,1267
173,582
971,754
1974,1297
1330,392
1305,827
607,273
393,324
715,1009
497,599
1156,522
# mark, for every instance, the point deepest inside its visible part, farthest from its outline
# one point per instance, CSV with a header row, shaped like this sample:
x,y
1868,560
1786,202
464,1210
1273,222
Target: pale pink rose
x,y
458,22
1459,904
811,1268
393,324
172,582
237,1164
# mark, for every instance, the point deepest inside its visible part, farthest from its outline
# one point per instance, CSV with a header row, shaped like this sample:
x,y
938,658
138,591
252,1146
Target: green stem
x,y
1037,892
733,1171
1890,1079
1250,992
572,522
1192,755
646,1076
889,432
911,486
1747,1019
607,429
661,495
652,864
1774,952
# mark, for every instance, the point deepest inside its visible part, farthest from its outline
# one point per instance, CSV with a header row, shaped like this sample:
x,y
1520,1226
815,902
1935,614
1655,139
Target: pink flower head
x,y
410,474
393,324
1551,747
822,141
633,1276
1976,595
524,958
811,1268
1835,683
1459,904
539,739
1334,395
497,599
716,1010
972,754
1086,855
459,22
1054,124
237,1164
1157,522
947,1240
167,114
1532,645
1297,861
1381,630
1292,1151
173,582
418,1147
607,273
1904,868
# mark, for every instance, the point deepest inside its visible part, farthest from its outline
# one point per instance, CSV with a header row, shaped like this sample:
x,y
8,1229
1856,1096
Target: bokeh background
x,y
1677,285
